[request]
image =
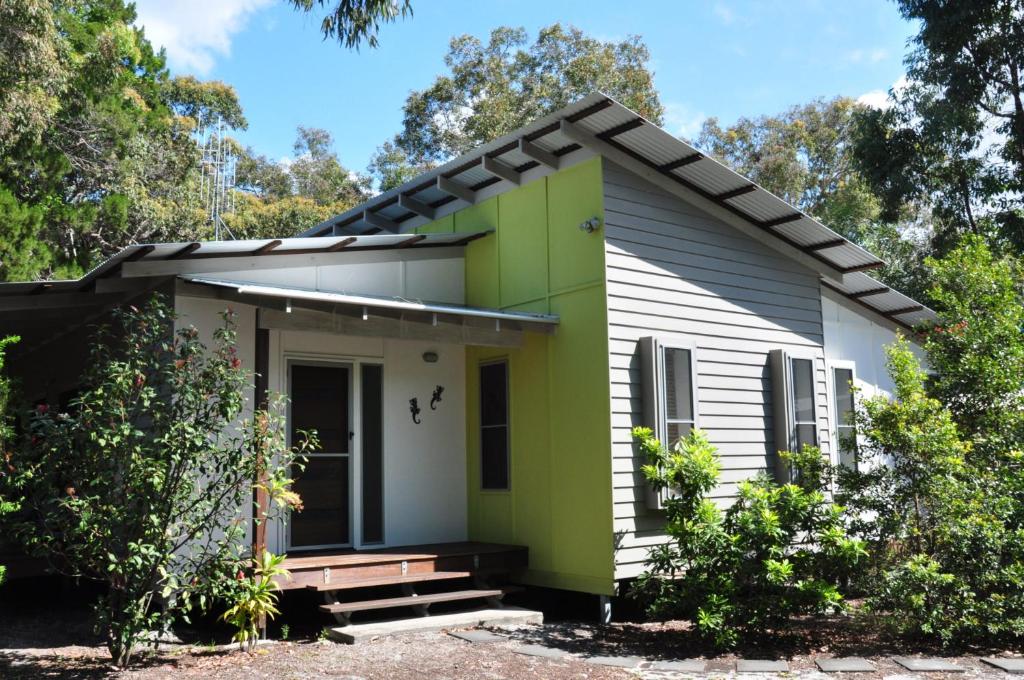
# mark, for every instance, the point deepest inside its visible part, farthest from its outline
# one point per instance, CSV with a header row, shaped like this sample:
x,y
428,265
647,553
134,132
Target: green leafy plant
x,y
144,482
777,551
255,600
9,501
940,495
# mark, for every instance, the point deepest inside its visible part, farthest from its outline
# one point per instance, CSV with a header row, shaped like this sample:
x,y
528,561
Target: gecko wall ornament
x,y
414,409
436,397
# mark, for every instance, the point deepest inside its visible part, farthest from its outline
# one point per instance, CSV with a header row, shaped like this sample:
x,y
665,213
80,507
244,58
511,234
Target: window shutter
x,y
651,377
782,415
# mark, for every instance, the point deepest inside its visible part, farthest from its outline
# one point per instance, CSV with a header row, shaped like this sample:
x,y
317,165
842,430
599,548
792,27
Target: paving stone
x,y
619,661
927,664
541,651
477,636
761,666
1013,666
680,665
846,664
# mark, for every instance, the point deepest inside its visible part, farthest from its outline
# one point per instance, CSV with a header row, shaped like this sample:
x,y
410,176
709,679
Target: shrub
x,y
943,528
9,503
143,483
777,551
254,600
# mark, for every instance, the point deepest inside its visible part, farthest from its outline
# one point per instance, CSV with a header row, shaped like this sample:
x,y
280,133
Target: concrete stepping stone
x,y
845,664
761,666
1012,666
680,665
927,664
540,651
477,636
617,661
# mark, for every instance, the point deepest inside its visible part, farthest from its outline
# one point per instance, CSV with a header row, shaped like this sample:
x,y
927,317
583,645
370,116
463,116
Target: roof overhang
x,y
604,126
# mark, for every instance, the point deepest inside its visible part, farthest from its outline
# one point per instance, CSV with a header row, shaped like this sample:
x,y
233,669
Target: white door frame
x,y
355,441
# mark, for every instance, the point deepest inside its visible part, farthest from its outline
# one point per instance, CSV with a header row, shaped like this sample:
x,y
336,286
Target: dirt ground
x,y
57,642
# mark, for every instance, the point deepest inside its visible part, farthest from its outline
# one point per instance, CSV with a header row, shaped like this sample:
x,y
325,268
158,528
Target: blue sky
x,y
711,58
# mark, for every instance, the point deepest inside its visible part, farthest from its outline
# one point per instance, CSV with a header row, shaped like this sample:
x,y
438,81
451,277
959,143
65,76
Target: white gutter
x,y
402,304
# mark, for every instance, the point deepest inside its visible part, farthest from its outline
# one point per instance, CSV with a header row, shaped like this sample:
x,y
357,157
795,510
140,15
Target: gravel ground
x,y
58,643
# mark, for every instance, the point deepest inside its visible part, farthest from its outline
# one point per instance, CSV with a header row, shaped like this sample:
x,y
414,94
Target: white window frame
x,y
653,378
784,405
832,366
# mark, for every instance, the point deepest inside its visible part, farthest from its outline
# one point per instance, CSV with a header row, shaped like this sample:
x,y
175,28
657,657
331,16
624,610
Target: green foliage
x,y
954,136
352,22
143,484
254,600
940,497
976,348
10,502
778,551
497,87
96,139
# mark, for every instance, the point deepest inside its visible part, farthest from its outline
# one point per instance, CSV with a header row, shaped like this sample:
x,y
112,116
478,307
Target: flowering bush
x,y
143,483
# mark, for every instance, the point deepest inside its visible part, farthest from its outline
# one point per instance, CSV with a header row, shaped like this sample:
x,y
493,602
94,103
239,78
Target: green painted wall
x,y
560,501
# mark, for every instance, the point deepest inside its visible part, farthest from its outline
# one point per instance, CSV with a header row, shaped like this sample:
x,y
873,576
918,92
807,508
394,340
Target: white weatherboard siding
x,y
425,464
674,270
859,337
206,316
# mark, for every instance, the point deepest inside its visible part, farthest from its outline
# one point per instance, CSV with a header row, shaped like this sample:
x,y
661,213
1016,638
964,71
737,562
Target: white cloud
x,y
195,32
683,121
879,99
866,56
724,13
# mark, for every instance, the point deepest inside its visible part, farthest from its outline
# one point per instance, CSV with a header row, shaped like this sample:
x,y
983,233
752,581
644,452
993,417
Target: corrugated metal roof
x,y
254,248
615,124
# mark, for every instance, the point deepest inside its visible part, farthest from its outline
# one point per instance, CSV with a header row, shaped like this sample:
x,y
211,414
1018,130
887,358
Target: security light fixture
x,y
430,357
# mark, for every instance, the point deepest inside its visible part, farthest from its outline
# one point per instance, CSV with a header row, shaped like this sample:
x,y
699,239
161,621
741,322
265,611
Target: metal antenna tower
x,y
217,177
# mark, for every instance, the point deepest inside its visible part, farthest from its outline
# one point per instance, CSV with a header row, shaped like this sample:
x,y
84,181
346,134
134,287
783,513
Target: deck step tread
x,y
407,554
389,580
408,601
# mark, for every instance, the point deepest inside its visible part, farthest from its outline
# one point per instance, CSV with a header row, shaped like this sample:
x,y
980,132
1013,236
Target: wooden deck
x,y
347,569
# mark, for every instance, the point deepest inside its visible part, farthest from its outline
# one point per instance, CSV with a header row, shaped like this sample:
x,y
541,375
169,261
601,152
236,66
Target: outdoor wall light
x,y
591,225
430,357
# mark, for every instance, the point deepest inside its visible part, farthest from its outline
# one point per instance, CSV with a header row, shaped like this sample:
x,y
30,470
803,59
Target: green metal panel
x,y
560,500
575,258
523,244
444,225
481,254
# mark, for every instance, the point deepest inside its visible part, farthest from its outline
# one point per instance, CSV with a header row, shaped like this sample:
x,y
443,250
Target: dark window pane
x,y
803,390
847,447
844,396
494,394
806,435
494,459
678,385
373,454
319,401
323,487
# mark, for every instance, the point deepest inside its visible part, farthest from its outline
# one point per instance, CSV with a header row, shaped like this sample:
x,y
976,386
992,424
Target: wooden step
x,y
408,601
345,584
